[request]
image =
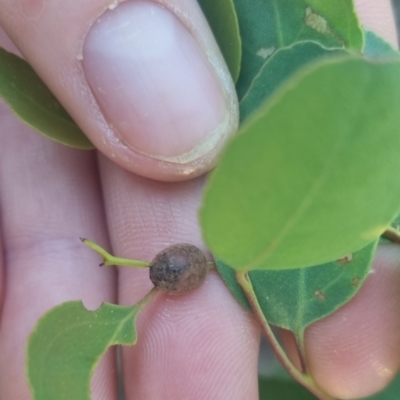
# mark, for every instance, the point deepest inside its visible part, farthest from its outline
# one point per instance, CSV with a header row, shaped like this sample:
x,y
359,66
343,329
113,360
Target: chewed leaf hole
x,y
319,295
316,22
265,52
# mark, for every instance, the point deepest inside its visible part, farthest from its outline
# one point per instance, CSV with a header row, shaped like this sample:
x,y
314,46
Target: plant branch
x,y
392,234
146,299
109,259
211,266
304,379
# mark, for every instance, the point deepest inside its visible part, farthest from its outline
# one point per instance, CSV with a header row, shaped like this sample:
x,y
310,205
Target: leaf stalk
x,y
392,234
110,260
304,379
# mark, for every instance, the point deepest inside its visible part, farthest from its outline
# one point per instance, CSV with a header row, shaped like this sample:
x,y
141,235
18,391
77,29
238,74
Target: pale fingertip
x,y
378,16
355,352
154,84
160,93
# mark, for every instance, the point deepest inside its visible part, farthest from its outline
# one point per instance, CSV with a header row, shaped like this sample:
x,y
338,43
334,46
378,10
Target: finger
x,y
378,17
355,352
49,196
144,79
1,271
198,346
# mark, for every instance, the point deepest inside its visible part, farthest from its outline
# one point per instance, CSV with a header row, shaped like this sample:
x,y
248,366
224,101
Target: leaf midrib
x,y
308,200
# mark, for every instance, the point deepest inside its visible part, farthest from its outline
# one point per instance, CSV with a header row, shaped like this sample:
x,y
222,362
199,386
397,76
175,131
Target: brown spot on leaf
x,y
316,22
355,282
265,52
319,295
346,259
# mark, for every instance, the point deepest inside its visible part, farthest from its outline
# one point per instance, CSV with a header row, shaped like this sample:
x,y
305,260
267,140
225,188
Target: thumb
x,y
144,79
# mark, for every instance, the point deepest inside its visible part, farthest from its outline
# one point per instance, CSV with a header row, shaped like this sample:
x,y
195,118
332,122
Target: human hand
x,y
198,346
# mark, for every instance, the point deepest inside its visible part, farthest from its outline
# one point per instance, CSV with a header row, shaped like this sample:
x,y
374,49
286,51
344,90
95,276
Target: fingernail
x,y
153,83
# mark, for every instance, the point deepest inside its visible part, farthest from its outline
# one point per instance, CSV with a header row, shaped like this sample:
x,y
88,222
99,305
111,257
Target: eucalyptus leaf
x,y
268,25
282,389
378,48
68,343
280,66
293,299
318,181
31,101
394,224
339,19
222,18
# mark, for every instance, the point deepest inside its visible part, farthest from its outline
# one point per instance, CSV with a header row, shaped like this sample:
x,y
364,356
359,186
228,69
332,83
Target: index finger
x,y
202,345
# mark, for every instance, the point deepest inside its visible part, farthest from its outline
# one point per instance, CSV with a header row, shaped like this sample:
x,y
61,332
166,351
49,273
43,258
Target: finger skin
x,y
49,196
51,36
1,271
202,345
378,16
355,352
372,24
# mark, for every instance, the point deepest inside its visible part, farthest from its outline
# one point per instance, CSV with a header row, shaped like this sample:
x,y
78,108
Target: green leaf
x,y
280,66
319,179
31,101
228,275
268,25
222,18
338,19
394,224
293,299
376,47
68,343
282,389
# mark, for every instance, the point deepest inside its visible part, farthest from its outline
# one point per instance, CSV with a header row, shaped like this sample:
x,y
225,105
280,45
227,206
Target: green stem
x,y
211,266
146,299
302,351
304,379
392,234
109,259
